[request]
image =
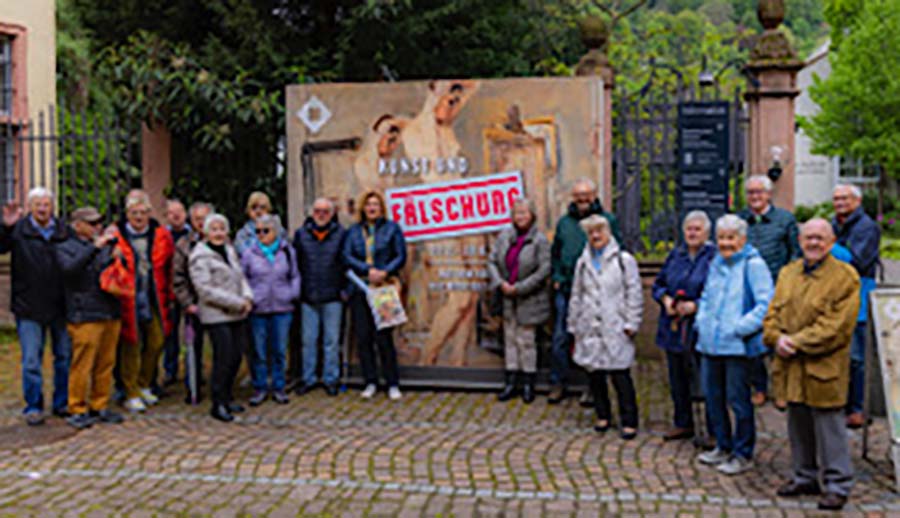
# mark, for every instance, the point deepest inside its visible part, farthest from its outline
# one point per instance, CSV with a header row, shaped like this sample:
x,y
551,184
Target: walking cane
x,y
191,361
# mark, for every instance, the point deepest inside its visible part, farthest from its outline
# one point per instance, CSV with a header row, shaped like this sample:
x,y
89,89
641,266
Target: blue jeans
x,y
32,336
857,390
270,337
726,383
172,347
324,319
561,345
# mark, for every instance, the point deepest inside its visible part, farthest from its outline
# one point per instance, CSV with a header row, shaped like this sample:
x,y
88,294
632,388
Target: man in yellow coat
x,y
809,324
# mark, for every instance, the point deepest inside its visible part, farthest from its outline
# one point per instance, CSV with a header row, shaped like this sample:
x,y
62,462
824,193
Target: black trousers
x,y
368,338
628,411
229,343
198,351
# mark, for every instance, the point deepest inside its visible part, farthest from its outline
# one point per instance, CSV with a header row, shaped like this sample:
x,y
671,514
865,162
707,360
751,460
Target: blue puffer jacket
x,y
680,273
389,254
734,301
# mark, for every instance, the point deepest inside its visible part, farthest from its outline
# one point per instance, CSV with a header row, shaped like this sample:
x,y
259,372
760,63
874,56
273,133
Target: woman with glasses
x,y
258,205
270,266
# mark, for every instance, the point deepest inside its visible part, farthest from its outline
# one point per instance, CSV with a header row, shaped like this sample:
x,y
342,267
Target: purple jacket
x,y
275,286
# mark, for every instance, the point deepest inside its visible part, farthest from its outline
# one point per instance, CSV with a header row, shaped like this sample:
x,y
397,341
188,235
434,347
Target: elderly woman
x,y
677,289
270,266
375,250
729,325
519,266
258,205
604,315
224,301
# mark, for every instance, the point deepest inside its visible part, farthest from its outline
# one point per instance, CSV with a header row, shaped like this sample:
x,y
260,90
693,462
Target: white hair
x,y
324,200
215,218
761,179
197,205
854,190
37,193
697,215
137,197
584,180
731,223
595,221
270,220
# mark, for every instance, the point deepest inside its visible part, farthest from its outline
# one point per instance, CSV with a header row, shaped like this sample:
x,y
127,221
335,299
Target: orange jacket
x,y
162,248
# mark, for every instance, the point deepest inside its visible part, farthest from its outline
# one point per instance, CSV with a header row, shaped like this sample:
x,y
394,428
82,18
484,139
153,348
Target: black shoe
x,y
169,380
302,388
528,388
107,416
187,399
158,391
627,436
221,413
557,395
586,400
258,398
509,388
794,489
62,412
832,502
235,408
601,425
331,390
80,421
280,397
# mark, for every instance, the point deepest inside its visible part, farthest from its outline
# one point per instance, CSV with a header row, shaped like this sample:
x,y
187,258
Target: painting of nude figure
x,y
424,132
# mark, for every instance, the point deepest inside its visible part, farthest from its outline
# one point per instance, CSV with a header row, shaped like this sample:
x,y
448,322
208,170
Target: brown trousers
x,y
93,359
138,364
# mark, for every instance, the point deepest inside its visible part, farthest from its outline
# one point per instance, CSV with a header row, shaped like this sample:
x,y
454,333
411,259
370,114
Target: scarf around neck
x,y
270,250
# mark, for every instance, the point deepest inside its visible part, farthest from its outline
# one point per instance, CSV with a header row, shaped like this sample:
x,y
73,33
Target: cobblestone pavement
x,y
432,454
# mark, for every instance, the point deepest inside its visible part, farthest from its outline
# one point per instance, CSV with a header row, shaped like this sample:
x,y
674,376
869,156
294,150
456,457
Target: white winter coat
x,y
603,306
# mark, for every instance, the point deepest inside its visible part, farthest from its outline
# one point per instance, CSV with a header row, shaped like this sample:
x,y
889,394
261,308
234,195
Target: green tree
x,y
859,102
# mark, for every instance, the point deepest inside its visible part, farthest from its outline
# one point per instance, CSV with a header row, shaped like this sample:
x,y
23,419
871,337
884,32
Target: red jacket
x,y
162,249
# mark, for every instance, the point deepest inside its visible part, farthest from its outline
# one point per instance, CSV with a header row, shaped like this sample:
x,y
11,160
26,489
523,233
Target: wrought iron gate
x,y
645,160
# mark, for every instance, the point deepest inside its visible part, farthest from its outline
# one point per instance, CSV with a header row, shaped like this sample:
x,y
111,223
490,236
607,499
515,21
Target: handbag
x,y
116,280
384,301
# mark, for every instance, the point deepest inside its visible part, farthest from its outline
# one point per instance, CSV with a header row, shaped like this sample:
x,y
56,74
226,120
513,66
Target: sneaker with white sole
x,y
135,405
369,391
149,397
394,393
714,457
735,465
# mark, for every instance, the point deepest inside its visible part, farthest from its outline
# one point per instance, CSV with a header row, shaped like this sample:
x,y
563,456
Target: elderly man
x,y
861,236
147,249
568,244
186,296
809,324
37,298
773,232
93,318
319,243
177,225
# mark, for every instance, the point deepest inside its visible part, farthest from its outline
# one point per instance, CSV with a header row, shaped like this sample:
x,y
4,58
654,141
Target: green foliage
x,y
860,100
805,213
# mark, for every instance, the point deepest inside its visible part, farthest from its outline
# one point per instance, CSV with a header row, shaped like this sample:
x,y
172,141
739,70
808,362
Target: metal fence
x,y
645,161
87,157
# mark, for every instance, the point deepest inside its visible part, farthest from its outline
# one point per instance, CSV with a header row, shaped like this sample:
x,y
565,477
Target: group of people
x,y
113,299
766,286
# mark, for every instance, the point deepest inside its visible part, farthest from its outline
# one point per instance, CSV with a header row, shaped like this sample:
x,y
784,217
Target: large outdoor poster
x,y
451,156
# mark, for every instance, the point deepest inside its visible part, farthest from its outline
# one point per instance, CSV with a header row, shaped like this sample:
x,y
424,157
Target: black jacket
x,y
37,288
321,263
81,264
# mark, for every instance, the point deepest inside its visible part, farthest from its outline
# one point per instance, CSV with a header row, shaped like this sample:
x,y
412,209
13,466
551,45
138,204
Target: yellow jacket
x,y
817,311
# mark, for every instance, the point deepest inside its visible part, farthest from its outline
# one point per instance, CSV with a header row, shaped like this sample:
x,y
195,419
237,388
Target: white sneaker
x,y
149,397
714,457
369,391
394,393
735,465
135,405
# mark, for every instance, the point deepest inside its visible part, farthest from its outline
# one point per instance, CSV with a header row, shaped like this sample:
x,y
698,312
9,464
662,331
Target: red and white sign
x,y
474,205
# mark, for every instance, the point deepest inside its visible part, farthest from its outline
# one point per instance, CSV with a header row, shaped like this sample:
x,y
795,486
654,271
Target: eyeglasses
x,y
321,211
259,207
262,231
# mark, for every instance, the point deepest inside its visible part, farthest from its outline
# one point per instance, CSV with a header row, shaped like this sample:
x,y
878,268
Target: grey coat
x,y
603,306
221,287
531,303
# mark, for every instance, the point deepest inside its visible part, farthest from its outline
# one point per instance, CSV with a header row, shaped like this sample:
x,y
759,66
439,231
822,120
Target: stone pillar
x,y
156,164
772,72
595,35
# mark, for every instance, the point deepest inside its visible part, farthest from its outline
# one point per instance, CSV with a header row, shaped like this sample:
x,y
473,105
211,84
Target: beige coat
x,y
818,312
221,287
530,305
603,306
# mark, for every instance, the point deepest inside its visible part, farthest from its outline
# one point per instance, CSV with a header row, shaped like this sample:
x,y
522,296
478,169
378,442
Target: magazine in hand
x,y
384,300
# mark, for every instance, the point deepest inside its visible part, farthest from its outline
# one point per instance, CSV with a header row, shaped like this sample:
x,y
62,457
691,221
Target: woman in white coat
x,y
604,315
